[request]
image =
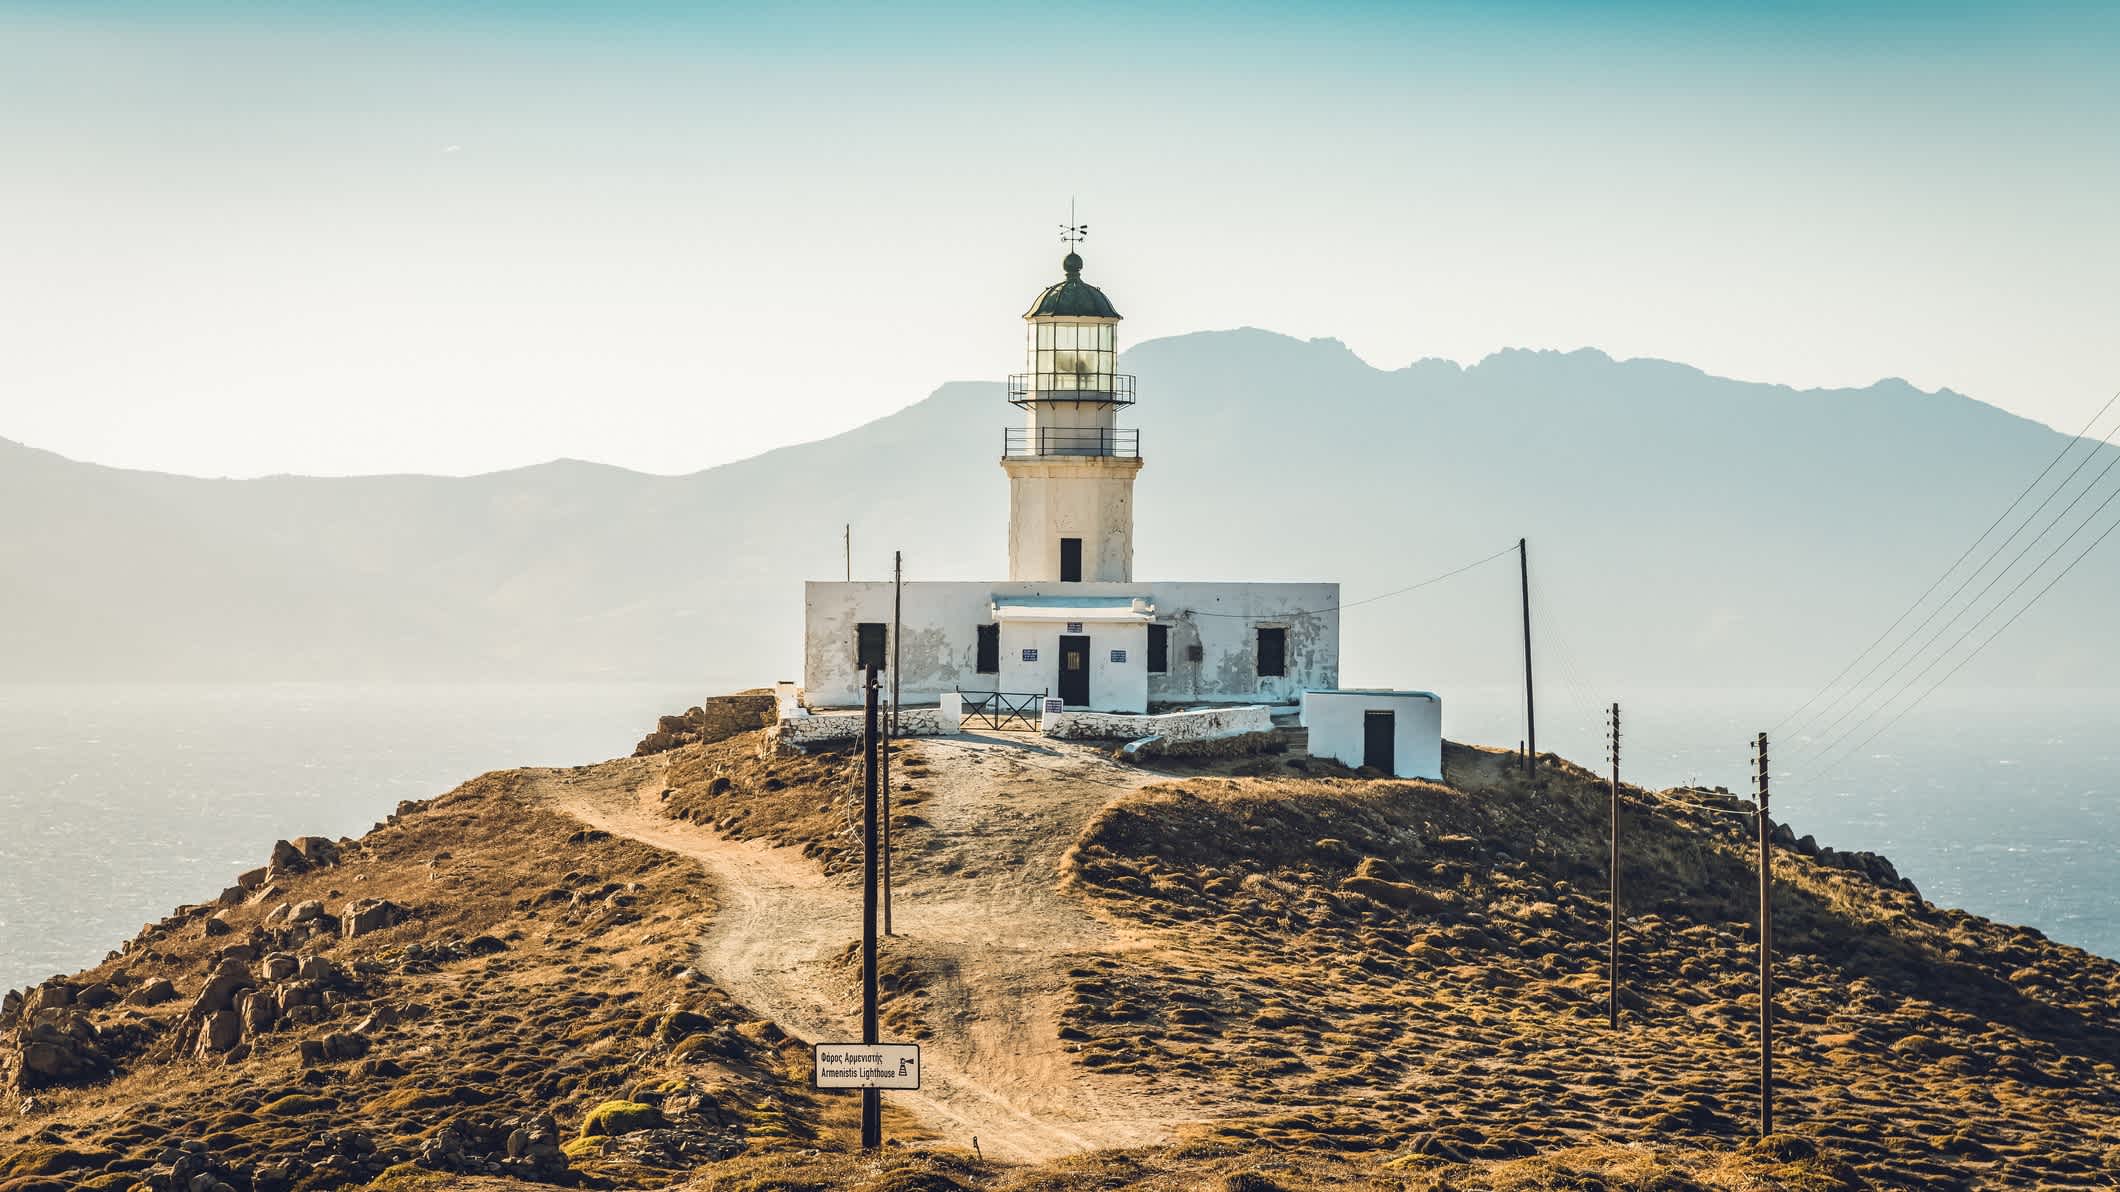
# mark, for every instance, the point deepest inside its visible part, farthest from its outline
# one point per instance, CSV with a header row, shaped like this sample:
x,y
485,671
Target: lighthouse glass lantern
x,y
1069,357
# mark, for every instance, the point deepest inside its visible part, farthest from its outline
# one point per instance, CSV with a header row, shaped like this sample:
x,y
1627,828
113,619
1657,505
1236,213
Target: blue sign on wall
x,y
1074,626
1030,655
1118,655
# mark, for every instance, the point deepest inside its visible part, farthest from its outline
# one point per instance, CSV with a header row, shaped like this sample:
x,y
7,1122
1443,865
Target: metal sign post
x,y
871,1099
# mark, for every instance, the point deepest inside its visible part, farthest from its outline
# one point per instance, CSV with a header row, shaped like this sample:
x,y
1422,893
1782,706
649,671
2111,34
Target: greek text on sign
x,y
865,1065
1074,626
1030,654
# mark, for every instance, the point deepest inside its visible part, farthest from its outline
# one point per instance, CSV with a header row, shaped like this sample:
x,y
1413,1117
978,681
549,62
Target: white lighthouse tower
x,y
1070,467
1072,624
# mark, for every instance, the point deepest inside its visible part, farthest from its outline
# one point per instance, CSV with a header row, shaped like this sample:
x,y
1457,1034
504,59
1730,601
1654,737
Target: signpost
x,y
865,1066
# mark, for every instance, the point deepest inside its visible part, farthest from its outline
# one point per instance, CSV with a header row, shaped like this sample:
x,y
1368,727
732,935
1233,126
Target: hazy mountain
x,y
1685,529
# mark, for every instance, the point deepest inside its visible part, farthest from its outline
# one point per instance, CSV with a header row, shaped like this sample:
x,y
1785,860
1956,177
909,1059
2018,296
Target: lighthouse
x,y
1071,625
1070,465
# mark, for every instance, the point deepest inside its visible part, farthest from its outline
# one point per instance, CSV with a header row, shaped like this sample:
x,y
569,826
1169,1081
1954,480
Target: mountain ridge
x,y
1268,457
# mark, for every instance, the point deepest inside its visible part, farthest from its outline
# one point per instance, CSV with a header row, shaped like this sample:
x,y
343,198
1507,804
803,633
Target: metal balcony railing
x,y
1107,389
1023,442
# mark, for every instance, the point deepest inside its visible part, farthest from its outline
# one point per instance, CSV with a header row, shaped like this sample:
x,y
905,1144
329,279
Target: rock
x,y
278,966
370,914
220,989
220,1031
251,879
50,995
232,896
256,1009
287,858
305,911
279,913
152,992
317,850
218,925
96,996
318,969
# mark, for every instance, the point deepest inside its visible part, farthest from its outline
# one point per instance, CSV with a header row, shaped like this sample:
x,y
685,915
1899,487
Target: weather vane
x,y
1072,232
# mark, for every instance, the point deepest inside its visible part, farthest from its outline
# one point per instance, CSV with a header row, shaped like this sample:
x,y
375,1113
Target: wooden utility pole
x,y
871,1098
890,732
1766,946
1523,558
1612,923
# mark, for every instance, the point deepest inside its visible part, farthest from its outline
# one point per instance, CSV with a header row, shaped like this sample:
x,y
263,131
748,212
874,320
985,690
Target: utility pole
x,y
1612,924
1766,946
1523,558
890,732
871,1098
849,543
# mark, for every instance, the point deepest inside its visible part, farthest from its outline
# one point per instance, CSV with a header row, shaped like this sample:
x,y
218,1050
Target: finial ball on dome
x,y
1072,262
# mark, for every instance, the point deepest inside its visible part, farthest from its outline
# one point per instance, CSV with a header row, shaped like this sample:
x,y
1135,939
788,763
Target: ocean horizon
x,y
126,800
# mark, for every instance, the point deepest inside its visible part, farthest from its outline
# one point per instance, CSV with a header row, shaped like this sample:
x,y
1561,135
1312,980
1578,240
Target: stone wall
x,y
834,727
1202,724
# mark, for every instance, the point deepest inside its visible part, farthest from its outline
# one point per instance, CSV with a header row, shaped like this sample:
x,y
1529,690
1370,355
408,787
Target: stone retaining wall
x,y
1198,725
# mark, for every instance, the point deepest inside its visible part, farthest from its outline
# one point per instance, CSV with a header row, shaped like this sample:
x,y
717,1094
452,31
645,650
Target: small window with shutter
x,y
869,638
1158,649
1273,651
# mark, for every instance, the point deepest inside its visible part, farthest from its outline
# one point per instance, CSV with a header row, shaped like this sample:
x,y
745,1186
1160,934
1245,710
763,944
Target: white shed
x,y
1399,732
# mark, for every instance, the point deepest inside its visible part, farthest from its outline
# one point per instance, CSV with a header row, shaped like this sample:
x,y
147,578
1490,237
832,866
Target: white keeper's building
x,y
1071,620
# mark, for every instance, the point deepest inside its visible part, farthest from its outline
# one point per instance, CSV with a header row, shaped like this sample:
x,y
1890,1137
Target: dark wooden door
x,y
1074,671
1071,560
1378,731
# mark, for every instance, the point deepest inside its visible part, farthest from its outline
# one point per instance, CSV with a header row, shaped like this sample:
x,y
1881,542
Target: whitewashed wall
x,y
1224,619
1051,498
1334,719
941,641
1199,725
1113,686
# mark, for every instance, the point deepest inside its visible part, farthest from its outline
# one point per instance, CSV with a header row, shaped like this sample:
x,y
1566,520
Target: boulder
x,y
317,850
305,911
286,858
318,969
218,925
370,914
279,966
218,1032
96,996
219,992
152,992
251,879
257,1011
50,995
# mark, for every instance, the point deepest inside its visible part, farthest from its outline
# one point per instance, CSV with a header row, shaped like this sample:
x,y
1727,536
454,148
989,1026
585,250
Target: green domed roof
x,y
1073,298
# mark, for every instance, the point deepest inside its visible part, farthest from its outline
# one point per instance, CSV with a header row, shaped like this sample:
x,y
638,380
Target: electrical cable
x,y
1354,603
1938,582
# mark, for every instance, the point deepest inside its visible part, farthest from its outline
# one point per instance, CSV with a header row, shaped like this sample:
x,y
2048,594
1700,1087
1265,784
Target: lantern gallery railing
x,y
1104,389
1023,442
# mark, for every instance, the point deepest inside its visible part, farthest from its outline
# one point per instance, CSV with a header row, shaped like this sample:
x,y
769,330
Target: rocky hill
x,y
1250,973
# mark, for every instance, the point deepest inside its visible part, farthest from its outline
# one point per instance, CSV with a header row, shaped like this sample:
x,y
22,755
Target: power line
x,y
2002,629
2067,447
1507,550
1819,750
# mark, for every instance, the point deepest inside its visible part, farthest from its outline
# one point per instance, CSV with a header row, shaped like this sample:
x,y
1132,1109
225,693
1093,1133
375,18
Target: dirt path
x,y
977,901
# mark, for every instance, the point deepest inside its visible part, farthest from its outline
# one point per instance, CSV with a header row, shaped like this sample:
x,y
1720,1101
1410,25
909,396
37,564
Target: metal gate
x,y
1006,711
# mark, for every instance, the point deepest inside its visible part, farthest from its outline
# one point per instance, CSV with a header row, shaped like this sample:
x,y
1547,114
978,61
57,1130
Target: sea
x,y
119,802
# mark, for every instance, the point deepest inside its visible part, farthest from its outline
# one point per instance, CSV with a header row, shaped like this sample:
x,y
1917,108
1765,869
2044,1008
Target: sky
x,y
251,238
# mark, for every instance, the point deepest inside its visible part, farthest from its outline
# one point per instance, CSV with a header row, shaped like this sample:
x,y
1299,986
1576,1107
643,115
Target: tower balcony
x,y
1035,442
1104,389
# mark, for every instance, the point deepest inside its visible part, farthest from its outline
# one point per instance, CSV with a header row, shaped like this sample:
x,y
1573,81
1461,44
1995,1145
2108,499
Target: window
x,y
1158,649
1273,651
989,649
1071,560
869,638
1073,356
